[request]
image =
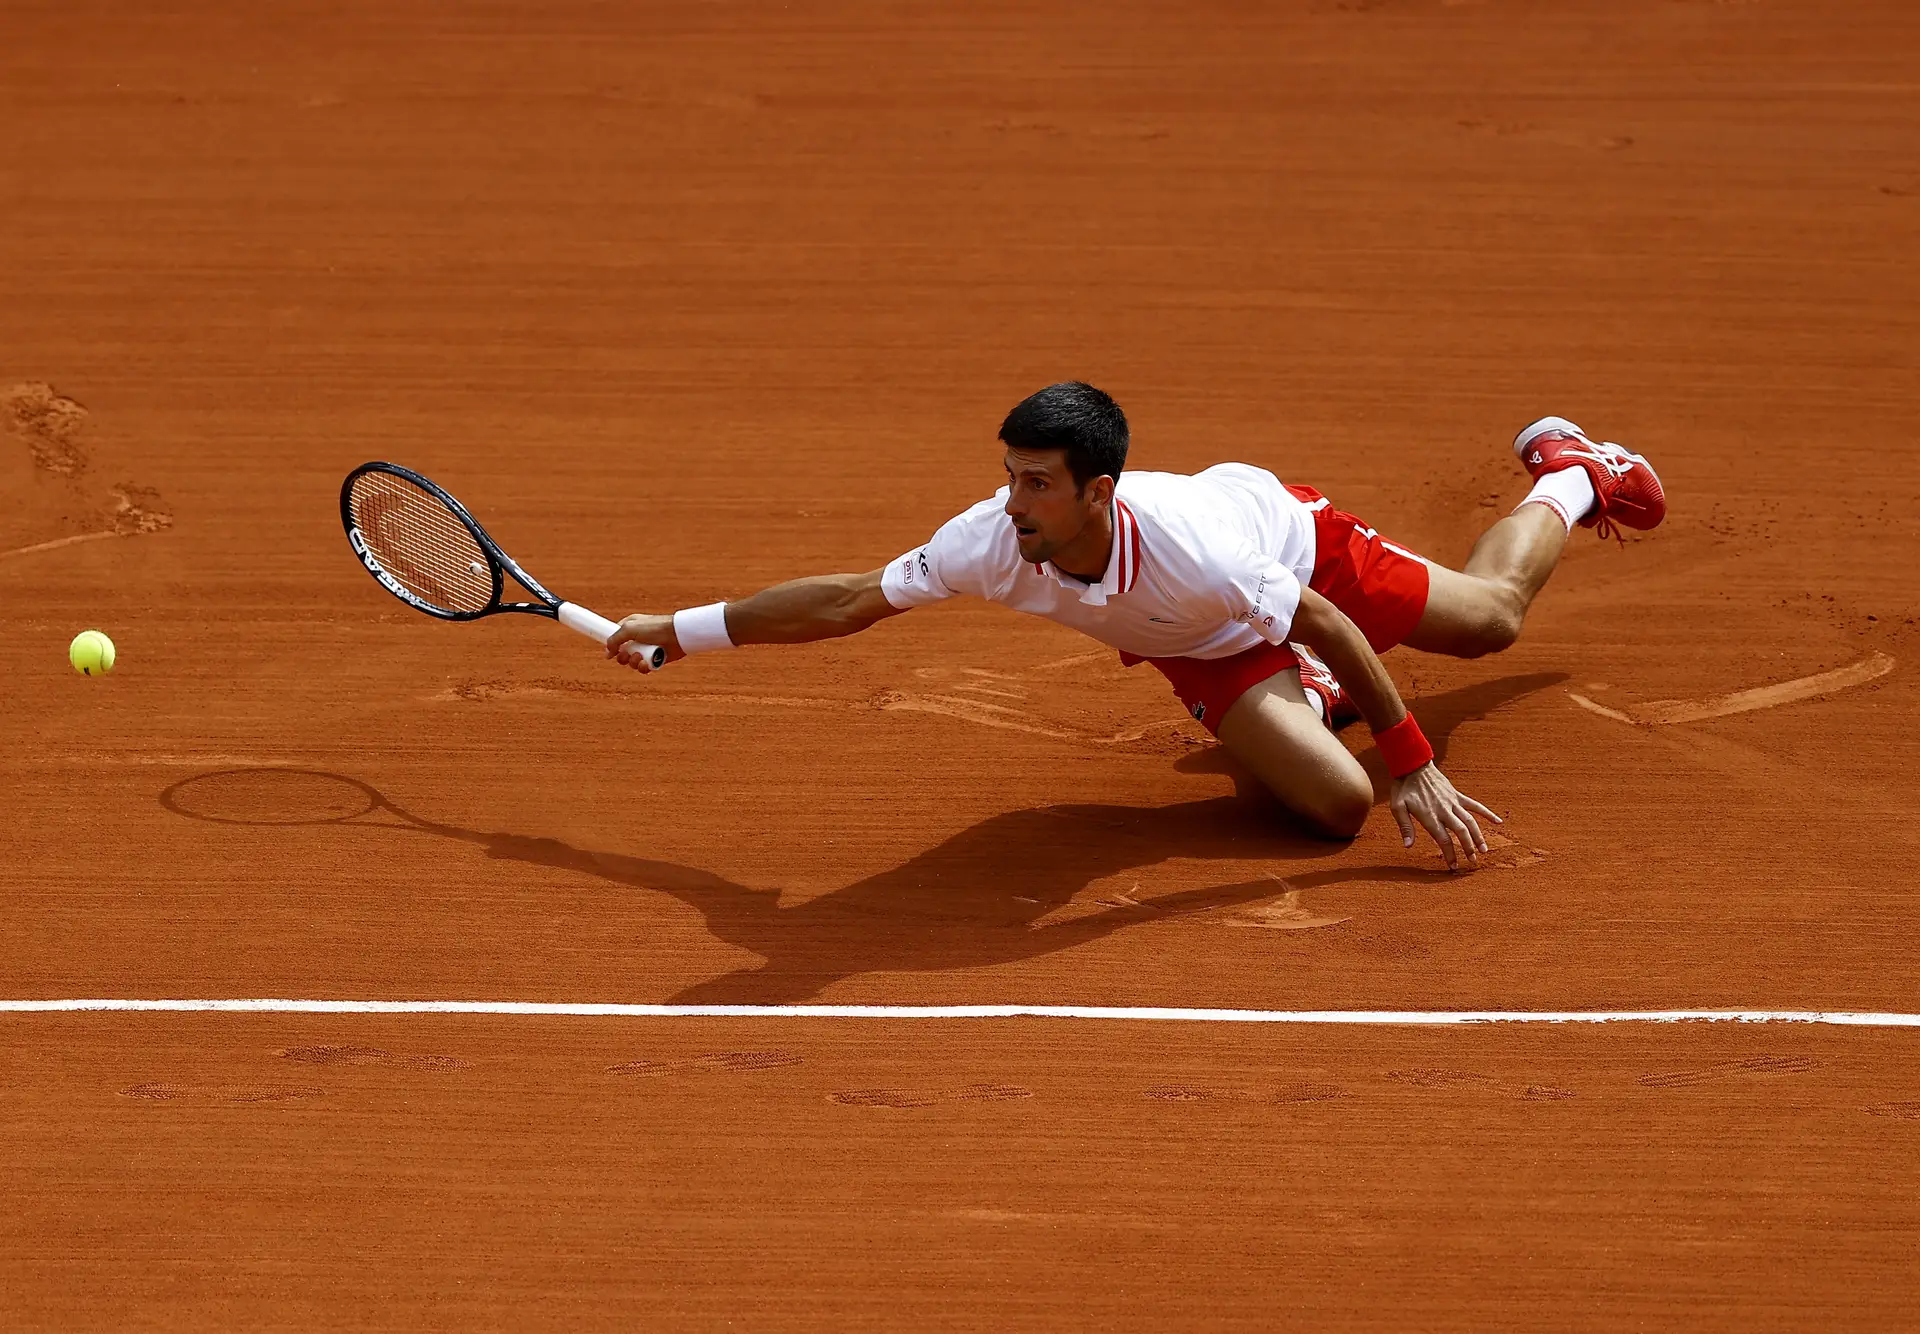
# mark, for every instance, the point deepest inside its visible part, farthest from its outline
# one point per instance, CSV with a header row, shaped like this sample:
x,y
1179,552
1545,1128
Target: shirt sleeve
x,y
1265,594
949,564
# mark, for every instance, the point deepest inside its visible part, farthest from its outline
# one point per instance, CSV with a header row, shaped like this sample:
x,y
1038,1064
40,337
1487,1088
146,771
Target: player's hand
x,y
1427,796
643,629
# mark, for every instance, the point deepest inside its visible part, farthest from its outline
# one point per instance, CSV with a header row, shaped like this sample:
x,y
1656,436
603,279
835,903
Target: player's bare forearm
x,y
1325,629
822,606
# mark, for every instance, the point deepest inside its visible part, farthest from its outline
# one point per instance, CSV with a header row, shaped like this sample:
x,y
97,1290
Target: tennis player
x,y
1223,580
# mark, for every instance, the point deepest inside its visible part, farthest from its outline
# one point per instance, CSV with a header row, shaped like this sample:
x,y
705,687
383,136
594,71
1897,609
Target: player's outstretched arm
x,y
1424,795
822,606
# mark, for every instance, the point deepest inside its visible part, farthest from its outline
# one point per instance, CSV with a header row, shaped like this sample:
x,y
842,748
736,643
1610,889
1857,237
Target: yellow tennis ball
x,y
91,653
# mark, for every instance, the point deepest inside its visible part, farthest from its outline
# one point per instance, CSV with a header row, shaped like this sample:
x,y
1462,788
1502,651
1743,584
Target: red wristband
x,y
1404,747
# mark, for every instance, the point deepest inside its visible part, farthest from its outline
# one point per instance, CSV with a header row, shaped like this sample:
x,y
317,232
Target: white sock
x,y
1568,493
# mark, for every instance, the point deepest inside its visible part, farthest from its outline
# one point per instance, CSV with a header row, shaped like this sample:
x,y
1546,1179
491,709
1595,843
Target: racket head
x,y
424,547
271,795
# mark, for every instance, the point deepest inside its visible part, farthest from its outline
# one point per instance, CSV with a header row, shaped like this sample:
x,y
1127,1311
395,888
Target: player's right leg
x,y
1276,733
1479,609
1255,704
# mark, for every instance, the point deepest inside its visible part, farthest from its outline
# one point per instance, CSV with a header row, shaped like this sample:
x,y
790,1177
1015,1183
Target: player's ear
x,y
1100,492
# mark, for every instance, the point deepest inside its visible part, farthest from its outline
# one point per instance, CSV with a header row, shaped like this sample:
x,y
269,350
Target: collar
x,y
1123,565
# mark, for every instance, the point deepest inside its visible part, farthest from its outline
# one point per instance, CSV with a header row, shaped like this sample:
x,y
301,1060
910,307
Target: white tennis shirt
x,y
1204,566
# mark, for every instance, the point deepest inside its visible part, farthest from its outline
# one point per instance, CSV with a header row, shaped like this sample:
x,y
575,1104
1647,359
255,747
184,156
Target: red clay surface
x,y
688,300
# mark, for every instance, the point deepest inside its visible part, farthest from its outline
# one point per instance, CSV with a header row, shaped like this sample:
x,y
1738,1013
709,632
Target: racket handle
x,y
600,629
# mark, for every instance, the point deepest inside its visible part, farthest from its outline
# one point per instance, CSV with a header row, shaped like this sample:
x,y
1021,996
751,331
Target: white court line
x,y
1193,1016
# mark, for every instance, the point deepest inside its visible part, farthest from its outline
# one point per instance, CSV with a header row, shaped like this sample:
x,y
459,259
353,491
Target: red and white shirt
x,y
1204,566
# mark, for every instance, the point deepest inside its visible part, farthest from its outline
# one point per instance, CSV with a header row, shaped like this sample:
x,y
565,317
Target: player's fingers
x,y
1472,828
1478,809
1465,837
1457,833
1401,818
1439,832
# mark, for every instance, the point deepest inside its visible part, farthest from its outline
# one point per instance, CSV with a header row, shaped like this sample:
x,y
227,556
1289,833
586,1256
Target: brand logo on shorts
x,y
1199,712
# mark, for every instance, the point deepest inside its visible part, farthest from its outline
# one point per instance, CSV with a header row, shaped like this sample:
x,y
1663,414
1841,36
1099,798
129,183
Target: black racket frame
x,y
498,561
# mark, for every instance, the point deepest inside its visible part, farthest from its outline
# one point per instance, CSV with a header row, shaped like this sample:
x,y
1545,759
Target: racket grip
x,y
600,629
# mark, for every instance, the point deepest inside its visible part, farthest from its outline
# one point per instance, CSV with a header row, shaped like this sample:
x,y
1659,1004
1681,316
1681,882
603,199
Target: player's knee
x,y
1342,812
1501,632
1494,630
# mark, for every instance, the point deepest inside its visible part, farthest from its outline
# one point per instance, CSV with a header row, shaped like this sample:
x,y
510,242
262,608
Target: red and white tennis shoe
x,y
1337,709
1628,490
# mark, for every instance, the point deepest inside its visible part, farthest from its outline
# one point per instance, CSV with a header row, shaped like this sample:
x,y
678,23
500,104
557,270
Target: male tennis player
x,y
1218,579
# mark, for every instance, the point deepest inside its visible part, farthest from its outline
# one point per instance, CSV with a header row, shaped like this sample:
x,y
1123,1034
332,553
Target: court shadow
x,y
1005,890
1002,891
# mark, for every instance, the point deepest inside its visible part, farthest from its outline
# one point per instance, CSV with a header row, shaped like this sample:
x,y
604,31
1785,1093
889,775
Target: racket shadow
x,y
1003,891
975,900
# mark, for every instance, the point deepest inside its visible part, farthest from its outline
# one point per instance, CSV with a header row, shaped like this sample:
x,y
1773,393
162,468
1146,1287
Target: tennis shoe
x,y
1337,709
1627,489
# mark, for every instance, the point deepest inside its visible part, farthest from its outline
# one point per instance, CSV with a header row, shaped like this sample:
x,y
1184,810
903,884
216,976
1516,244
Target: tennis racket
x,y
422,546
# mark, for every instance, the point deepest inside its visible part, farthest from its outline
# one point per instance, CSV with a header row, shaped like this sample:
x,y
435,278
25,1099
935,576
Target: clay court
x,y
685,300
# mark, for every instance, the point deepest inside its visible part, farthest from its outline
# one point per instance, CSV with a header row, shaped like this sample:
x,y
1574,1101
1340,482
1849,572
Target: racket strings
x,y
421,543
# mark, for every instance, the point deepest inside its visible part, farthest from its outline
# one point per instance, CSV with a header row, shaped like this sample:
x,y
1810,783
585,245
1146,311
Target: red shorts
x,y
1380,585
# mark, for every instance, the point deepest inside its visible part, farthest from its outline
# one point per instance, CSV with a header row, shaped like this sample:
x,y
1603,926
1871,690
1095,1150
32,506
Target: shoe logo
x,y
1535,458
1614,459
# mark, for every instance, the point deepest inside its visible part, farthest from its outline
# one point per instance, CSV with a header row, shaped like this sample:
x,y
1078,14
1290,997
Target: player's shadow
x,y
986,895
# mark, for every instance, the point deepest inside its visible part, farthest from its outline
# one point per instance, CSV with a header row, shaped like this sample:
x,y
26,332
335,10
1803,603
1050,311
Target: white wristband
x,y
702,629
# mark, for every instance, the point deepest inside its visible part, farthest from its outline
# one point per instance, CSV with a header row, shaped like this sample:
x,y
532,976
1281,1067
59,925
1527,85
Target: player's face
x,y
1047,510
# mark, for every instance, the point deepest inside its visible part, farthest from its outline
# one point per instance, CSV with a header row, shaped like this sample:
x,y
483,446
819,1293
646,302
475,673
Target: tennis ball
x,y
91,653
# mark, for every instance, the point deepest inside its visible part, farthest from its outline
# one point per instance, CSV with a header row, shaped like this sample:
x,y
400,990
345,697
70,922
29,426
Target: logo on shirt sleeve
x,y
1257,614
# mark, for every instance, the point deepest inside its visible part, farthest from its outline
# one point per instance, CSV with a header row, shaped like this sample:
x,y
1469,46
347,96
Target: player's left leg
x,y
1479,609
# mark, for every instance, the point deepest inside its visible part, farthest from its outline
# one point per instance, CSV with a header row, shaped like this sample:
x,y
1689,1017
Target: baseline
x,y
592,1009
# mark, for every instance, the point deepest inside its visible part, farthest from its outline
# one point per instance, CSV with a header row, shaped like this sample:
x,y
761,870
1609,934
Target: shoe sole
x,y
1528,434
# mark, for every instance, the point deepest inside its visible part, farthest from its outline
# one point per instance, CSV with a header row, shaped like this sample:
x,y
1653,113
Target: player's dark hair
x,y
1075,417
